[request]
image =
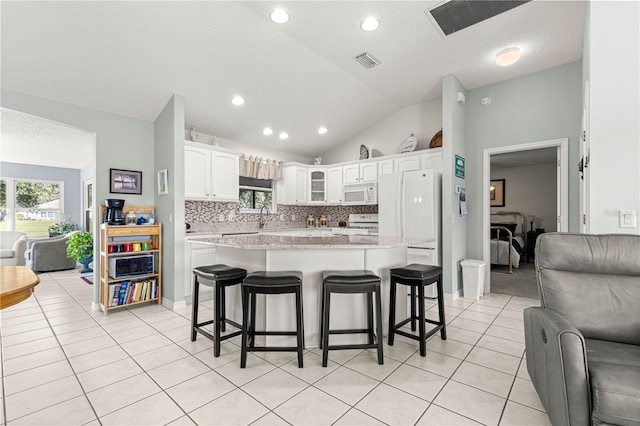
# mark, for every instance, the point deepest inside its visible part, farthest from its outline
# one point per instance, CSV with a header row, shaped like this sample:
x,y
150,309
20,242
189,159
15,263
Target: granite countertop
x,y
275,242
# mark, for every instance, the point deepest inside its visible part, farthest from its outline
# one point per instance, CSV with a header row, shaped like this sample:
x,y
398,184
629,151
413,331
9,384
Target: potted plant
x,y
80,249
61,228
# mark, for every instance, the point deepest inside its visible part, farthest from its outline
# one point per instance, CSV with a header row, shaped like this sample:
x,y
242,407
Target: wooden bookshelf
x,y
135,287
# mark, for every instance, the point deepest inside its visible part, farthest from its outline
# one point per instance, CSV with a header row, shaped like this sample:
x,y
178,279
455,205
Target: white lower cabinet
x,y
196,255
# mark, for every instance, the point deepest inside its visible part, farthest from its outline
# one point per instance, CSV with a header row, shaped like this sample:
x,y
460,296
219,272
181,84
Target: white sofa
x,y
13,244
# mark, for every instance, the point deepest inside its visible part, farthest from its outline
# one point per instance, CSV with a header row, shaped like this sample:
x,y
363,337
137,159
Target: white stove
x,y
359,224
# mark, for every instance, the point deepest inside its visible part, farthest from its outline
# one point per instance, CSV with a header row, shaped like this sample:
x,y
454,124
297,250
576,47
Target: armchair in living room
x,y
12,247
49,255
583,342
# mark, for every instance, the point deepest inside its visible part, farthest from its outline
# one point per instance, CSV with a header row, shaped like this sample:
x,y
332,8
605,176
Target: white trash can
x,y
473,278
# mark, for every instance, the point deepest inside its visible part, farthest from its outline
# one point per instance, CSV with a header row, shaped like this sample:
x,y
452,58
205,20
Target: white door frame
x,y
563,191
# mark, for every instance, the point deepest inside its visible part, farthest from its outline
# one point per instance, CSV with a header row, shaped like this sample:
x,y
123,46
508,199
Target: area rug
x,y
521,283
87,278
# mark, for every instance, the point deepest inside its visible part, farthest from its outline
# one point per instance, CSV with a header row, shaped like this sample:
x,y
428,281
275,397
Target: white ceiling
x,y
27,139
130,57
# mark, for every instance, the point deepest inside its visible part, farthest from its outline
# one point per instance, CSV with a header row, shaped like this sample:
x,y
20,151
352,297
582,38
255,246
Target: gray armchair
x,y
49,255
583,343
12,247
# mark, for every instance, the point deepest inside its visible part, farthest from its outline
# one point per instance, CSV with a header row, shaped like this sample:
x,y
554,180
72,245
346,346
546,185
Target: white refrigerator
x,y
409,205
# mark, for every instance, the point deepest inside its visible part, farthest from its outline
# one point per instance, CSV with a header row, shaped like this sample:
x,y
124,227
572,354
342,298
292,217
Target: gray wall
x,y
169,154
70,177
541,106
454,142
121,142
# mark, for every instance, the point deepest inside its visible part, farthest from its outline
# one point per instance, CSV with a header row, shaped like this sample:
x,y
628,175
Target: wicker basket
x,y
436,141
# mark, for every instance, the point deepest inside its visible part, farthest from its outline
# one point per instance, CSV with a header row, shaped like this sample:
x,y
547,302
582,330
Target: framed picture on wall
x,y
497,193
125,181
163,182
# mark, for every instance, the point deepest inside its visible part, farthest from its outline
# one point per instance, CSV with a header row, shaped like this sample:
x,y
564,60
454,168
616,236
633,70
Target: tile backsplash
x,y
205,216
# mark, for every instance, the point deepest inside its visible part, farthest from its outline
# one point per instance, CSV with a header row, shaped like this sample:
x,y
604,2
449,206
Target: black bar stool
x,y
417,277
219,277
351,282
270,282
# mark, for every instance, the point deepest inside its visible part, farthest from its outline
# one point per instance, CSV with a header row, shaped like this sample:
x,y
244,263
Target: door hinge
x,y
584,219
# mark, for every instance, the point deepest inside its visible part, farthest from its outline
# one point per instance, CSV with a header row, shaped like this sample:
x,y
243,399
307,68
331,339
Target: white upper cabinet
x,y
334,185
210,174
225,176
292,187
197,171
433,160
317,185
360,173
385,167
406,164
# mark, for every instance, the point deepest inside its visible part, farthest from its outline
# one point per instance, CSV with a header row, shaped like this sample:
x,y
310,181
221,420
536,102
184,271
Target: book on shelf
x,y
126,292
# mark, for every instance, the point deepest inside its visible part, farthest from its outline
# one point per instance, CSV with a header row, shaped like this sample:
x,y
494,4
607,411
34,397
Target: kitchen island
x,y
312,256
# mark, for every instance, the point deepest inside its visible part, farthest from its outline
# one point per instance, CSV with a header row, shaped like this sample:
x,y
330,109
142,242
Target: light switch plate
x,y
628,219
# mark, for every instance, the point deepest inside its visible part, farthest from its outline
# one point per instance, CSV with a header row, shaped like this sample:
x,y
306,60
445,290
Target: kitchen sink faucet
x,y
262,221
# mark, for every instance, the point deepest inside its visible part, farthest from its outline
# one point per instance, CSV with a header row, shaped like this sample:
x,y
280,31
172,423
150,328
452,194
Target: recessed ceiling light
x,y
279,16
508,56
370,24
237,100
322,130
267,131
284,135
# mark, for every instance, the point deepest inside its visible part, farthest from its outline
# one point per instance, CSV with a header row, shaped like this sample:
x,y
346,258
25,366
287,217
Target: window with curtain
x,y
256,193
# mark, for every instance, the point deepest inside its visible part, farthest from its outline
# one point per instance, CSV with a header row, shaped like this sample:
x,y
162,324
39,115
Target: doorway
x,y
561,189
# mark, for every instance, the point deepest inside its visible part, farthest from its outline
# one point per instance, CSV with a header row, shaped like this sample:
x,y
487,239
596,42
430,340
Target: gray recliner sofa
x,y
49,255
583,343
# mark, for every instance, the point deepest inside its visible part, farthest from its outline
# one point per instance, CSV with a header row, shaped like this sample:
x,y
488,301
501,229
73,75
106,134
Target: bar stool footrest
x,y
225,337
351,331
354,346
273,349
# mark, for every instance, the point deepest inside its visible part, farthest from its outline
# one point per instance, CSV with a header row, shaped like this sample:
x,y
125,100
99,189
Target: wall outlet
x,y
628,219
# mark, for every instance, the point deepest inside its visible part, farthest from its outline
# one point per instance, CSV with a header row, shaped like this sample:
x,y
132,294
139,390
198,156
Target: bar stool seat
x,y
270,282
417,276
219,277
351,282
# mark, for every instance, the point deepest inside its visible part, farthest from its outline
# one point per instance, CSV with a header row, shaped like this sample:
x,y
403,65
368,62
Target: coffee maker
x,y
114,216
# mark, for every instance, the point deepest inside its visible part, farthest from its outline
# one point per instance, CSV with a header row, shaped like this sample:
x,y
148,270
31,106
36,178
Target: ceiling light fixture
x,y
284,135
322,130
370,24
267,131
279,16
237,100
508,56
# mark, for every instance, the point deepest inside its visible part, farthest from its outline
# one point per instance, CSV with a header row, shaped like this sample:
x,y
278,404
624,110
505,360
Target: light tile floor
x,y
63,363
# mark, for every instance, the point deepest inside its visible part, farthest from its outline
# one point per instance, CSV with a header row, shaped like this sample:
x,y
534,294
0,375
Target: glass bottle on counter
x,y
132,218
311,222
323,221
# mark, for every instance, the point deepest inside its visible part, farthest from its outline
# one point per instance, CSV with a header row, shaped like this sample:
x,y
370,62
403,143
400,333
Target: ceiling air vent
x,y
366,60
455,15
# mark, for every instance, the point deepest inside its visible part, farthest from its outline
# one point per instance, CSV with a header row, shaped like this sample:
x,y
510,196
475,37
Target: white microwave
x,y
360,193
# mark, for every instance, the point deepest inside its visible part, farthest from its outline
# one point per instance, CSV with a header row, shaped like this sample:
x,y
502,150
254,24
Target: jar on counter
x,y
132,218
323,221
311,221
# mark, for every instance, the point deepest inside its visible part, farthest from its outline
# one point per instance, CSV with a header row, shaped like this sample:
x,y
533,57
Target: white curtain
x,y
260,168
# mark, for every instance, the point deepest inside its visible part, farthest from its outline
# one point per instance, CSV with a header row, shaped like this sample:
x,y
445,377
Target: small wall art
x,y
497,193
163,182
125,181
